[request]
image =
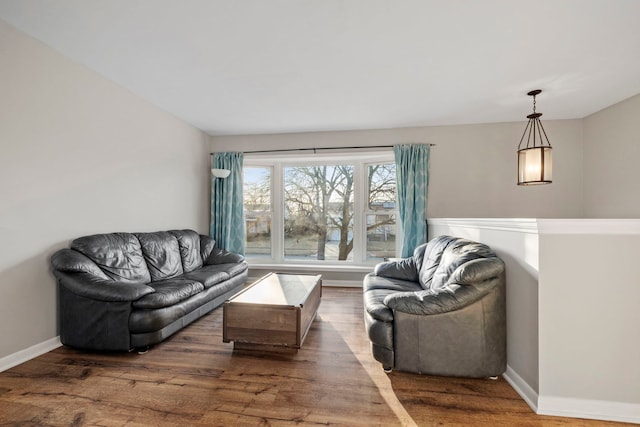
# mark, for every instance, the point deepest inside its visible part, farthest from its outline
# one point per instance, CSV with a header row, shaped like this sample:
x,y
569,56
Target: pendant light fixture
x,y
534,159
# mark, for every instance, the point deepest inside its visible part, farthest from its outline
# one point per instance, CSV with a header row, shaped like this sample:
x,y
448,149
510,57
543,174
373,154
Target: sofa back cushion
x,y
162,254
118,255
189,244
206,247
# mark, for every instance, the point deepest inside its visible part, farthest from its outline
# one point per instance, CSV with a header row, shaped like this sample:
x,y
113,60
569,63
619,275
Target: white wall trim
x,y
27,354
590,409
522,388
520,225
589,226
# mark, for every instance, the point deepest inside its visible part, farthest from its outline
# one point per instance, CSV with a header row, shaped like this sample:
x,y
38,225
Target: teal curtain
x,y
227,216
412,176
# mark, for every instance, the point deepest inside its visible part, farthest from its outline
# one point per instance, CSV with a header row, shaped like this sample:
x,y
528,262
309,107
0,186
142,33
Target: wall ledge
x,y
611,226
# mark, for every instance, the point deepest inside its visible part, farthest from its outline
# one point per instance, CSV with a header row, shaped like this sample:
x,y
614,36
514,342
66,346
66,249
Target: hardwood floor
x,y
195,379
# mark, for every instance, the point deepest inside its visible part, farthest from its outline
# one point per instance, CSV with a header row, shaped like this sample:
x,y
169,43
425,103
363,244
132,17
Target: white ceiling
x,y
271,66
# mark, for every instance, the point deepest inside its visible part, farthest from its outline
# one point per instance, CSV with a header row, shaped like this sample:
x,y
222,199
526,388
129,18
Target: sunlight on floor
x,y
382,382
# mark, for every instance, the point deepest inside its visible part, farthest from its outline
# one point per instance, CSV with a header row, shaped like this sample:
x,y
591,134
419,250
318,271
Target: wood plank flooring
x,y
194,379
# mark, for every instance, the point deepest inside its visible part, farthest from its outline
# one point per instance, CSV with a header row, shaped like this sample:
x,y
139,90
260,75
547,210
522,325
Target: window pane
x,y
318,212
381,236
382,186
257,210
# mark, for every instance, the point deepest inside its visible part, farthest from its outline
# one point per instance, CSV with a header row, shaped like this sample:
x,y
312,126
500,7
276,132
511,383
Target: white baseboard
x,y
590,409
522,388
27,354
343,283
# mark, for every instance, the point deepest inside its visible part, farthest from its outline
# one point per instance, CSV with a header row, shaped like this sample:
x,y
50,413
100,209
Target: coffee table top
x,y
278,289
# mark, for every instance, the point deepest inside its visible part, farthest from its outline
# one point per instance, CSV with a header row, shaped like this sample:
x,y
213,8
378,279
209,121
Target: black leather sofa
x,y
440,312
124,291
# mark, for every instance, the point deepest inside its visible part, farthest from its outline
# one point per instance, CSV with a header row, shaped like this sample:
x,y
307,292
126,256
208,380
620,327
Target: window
x,y
257,210
381,211
318,212
331,210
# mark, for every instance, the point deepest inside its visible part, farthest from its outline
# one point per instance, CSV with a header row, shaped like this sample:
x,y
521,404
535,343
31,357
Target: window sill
x,y
311,267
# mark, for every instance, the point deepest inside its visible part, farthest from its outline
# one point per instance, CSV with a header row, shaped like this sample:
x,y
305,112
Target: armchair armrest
x,y
477,270
429,302
221,256
404,269
92,287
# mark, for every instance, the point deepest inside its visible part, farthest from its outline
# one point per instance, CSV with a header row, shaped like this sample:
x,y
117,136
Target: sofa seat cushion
x,y
169,292
144,321
209,275
233,269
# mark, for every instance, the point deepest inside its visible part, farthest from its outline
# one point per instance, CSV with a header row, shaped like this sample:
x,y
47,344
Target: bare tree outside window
x,y
257,210
318,217
381,218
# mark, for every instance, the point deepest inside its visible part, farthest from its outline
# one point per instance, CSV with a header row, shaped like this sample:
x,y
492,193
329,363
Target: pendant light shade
x,y
534,158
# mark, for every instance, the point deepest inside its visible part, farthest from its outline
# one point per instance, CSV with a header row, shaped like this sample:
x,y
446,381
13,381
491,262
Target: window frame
x,y
361,161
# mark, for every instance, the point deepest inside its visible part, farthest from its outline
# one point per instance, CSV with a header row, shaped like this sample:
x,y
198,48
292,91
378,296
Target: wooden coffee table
x,y
274,313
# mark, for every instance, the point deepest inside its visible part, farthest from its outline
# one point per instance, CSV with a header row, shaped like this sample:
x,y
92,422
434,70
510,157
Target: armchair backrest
x,y
444,258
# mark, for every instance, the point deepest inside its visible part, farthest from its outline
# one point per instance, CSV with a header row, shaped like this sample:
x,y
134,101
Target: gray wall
x,y
611,156
472,167
79,155
589,317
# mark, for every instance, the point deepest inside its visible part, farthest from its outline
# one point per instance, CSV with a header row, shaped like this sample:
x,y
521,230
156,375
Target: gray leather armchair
x,y
440,312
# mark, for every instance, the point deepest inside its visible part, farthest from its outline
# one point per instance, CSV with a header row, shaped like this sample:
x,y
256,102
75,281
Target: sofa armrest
x,y
450,299
221,256
69,260
404,269
95,288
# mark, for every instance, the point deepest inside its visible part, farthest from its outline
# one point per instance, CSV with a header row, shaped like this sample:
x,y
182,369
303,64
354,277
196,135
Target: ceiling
x,y
274,66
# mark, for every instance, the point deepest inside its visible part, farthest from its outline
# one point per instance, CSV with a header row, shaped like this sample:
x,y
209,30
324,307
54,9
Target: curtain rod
x,y
319,149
